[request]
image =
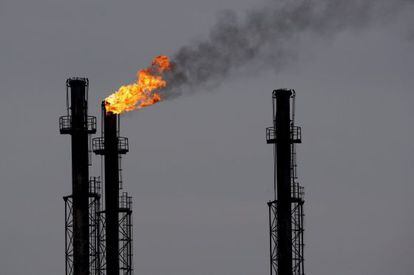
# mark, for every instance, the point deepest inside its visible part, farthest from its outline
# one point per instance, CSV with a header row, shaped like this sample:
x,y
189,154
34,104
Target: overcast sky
x,y
199,168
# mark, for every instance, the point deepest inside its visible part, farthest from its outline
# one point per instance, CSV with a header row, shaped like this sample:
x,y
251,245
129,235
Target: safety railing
x,y
297,191
65,125
295,134
98,145
94,185
125,201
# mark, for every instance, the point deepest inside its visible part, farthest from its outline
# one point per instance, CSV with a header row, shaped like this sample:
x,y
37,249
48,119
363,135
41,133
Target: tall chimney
x,y
118,251
79,125
111,191
283,153
286,210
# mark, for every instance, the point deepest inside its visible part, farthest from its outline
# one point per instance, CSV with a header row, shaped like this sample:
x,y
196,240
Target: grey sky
x,y
199,169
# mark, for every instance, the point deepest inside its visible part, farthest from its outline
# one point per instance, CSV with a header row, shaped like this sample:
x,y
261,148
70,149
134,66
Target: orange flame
x,y
142,93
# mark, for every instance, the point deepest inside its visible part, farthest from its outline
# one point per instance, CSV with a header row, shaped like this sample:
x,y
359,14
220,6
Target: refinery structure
x,y
98,212
98,217
286,208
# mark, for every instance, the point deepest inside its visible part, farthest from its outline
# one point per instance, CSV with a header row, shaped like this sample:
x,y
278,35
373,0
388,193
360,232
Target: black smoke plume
x,y
265,38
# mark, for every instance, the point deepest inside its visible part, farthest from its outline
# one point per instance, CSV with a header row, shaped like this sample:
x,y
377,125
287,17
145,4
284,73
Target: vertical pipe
x,y
283,155
274,152
66,236
130,242
80,176
271,237
111,191
302,267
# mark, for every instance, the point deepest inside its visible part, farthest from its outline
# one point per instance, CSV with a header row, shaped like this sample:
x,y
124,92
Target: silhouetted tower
x,y
79,125
116,219
286,209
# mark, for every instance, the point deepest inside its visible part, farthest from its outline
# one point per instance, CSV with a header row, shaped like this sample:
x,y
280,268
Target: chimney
x,y
79,125
111,146
286,210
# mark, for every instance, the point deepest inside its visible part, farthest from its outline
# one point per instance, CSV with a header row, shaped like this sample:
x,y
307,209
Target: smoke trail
x,y
265,37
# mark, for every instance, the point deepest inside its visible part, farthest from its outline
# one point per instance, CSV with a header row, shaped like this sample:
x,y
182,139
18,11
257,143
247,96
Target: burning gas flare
x,y
143,92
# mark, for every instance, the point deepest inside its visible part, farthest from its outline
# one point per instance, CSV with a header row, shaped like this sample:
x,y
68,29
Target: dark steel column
x,y
80,177
283,153
111,192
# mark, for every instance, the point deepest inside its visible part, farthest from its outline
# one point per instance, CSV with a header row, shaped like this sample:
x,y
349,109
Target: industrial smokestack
x,y
283,168
111,191
286,210
79,125
111,146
